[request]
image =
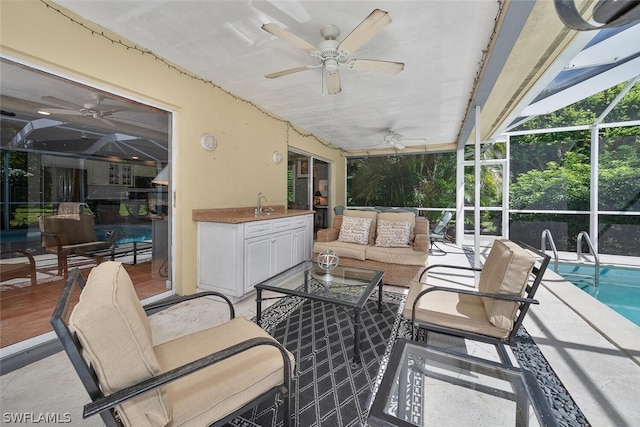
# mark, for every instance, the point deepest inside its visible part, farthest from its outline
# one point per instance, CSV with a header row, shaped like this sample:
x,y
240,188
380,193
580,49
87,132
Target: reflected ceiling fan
x,y
394,139
95,109
330,54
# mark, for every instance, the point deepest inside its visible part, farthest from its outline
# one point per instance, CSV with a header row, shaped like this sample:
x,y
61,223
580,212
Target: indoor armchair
x,y
22,266
203,378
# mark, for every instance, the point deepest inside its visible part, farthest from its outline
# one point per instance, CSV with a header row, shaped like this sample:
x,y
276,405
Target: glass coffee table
x,y
431,386
346,286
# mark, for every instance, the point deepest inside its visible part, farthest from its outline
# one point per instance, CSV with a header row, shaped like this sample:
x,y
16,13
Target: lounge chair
x,y
495,311
70,232
203,378
439,233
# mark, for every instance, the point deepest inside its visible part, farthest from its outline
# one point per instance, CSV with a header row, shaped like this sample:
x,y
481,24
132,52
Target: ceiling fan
x,y
330,54
95,109
605,14
394,139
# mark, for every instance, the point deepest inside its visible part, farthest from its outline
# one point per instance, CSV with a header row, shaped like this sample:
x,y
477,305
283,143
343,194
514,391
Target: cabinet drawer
x,y
257,228
281,224
299,221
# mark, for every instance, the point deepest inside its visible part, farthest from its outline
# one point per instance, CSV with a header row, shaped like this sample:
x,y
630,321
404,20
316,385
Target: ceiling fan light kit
x,y
331,54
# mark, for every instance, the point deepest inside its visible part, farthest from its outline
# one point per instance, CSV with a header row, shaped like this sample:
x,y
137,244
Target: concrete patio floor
x,y
594,351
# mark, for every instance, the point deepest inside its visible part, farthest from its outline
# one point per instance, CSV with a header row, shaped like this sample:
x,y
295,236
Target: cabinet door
x,y
299,245
258,261
97,173
282,245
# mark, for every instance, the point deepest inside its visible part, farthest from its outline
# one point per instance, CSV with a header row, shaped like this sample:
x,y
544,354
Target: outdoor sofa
x,y
393,240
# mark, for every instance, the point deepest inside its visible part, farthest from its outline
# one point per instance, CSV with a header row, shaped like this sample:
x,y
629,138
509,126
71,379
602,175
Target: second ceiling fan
x,y
331,54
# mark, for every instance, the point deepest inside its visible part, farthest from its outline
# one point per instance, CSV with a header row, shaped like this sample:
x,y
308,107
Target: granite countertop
x,y
240,215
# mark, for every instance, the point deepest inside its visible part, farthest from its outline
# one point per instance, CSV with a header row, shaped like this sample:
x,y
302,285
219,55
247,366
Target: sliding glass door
x,y
69,153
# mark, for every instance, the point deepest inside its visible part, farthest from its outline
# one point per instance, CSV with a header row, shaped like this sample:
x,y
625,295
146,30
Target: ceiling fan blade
x,y
289,37
112,111
62,102
369,27
107,121
374,66
62,111
333,82
286,72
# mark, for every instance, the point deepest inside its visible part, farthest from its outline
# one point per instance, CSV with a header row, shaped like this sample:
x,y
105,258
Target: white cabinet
x,y
233,258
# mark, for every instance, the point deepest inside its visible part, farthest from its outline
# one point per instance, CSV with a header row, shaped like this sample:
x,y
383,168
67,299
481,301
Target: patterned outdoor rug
x,y
328,389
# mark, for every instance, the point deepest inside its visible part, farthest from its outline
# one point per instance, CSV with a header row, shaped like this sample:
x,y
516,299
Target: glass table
x,y
345,286
431,386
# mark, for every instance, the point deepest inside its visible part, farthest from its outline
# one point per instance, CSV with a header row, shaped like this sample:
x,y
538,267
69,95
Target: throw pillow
x,y
365,214
398,217
355,230
393,234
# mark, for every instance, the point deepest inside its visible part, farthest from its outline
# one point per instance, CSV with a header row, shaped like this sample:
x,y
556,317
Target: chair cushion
x,y
364,214
451,310
393,234
220,389
506,271
355,230
115,334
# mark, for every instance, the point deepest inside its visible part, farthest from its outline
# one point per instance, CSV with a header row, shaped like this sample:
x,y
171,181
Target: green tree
x,y
408,180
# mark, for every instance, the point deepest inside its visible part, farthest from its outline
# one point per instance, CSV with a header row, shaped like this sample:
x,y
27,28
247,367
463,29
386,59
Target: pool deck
x,y
594,351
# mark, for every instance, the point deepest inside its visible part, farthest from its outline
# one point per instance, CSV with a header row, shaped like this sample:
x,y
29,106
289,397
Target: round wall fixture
x,y
208,141
277,157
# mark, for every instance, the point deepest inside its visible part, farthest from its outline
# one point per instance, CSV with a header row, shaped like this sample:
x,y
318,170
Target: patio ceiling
x,y
458,54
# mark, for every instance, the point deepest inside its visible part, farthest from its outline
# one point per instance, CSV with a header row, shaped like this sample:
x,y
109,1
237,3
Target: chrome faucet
x,y
259,208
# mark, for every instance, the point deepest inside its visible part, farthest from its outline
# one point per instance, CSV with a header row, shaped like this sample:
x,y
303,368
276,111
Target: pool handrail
x,y
543,246
593,252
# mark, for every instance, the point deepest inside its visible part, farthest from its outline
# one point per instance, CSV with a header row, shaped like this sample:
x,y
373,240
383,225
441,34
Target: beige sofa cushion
x,y
401,256
364,214
393,234
342,249
355,230
115,333
220,389
506,271
458,311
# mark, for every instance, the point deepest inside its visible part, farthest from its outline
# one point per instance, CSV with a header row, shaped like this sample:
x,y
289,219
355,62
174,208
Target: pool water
x,y
126,234
618,287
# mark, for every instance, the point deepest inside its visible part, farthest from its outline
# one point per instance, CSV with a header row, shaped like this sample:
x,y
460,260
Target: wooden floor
x,y
25,311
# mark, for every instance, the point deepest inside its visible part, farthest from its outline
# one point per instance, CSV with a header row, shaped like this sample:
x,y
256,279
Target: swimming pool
x,y
618,288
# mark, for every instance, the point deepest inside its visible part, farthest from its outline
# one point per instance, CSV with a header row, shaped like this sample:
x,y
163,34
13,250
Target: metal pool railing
x,y
585,235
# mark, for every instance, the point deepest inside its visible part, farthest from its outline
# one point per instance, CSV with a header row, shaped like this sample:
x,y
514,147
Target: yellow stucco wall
x,y
230,176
